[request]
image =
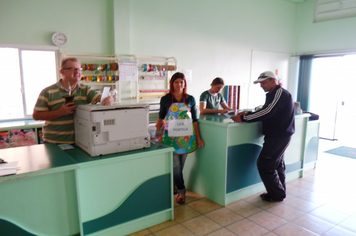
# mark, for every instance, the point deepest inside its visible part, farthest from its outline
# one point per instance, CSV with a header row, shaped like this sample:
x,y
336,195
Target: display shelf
x,y
96,78
20,133
155,79
153,76
100,83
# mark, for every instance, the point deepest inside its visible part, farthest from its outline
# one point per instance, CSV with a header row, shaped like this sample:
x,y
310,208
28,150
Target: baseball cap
x,y
265,75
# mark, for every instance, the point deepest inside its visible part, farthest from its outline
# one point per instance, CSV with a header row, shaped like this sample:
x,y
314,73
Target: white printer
x,y
101,130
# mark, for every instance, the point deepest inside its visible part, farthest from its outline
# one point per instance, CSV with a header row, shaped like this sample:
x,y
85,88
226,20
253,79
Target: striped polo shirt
x,y
61,129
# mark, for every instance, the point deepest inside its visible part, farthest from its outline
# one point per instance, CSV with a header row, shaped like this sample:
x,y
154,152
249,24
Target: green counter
x,y
61,193
124,192
41,199
224,170
312,145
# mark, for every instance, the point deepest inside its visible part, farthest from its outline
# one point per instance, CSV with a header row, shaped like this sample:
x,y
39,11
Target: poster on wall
x,y
262,61
128,71
188,75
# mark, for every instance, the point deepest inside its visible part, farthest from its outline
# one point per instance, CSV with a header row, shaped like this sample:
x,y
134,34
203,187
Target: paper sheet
x,y
105,93
8,168
65,146
227,121
177,128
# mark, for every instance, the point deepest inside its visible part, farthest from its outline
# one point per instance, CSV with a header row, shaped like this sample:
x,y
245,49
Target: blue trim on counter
x,y
137,205
294,167
9,229
241,166
311,153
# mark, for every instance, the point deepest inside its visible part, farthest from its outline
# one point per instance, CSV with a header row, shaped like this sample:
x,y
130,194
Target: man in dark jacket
x,y
277,116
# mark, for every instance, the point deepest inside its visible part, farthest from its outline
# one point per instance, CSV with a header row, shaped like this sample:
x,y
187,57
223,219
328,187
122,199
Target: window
x,y
334,9
332,96
23,74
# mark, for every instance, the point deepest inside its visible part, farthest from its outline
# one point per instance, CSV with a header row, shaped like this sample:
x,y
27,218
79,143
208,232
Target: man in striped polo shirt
x,y
277,116
58,115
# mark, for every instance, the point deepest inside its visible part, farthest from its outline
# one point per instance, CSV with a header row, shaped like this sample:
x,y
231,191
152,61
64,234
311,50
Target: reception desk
x,y
41,199
225,170
58,192
124,192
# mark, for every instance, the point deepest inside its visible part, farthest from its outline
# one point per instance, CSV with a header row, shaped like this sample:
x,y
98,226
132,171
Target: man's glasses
x,y
73,69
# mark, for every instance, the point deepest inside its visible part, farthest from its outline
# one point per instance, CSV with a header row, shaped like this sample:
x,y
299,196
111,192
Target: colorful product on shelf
x,y
100,67
100,78
113,66
155,91
232,96
39,136
4,140
150,67
149,93
24,137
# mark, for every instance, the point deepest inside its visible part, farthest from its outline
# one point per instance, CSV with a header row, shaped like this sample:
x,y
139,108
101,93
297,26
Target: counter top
x,y
220,119
225,119
81,156
37,160
49,158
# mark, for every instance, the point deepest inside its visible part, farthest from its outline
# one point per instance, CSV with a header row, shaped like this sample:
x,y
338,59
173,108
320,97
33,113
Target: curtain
x,y
305,70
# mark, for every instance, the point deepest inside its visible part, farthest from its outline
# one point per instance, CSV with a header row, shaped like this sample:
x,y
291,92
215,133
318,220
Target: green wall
x,y
88,23
210,37
327,36
213,38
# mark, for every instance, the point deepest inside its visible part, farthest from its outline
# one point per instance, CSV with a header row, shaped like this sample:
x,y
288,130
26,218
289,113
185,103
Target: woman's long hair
x,y
178,75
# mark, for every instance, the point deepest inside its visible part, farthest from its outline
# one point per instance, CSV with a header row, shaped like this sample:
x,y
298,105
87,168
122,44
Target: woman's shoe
x,y
180,199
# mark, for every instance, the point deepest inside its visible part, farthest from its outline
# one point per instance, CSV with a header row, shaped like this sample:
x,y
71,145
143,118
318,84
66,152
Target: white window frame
x,y
55,49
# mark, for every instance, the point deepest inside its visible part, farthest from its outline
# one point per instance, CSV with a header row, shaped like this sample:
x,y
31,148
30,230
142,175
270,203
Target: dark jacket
x,y
277,114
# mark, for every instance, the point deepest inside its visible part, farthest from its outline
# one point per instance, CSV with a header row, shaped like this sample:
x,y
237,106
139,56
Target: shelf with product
x,y
148,82
99,71
153,76
20,133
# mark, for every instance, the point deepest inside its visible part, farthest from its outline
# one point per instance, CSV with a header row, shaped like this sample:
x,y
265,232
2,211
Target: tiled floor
x,y
323,202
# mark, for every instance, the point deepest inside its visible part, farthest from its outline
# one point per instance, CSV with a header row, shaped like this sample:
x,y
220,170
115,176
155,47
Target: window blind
x,y
334,9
